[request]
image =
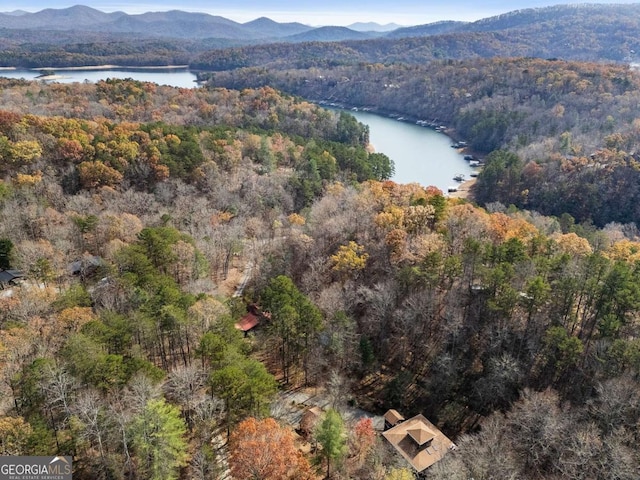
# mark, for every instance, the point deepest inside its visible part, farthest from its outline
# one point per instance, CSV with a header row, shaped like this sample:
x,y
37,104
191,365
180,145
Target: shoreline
x,y
50,77
464,189
100,67
110,67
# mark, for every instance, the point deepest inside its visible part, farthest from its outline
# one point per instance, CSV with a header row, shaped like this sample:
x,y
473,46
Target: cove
x,y
421,155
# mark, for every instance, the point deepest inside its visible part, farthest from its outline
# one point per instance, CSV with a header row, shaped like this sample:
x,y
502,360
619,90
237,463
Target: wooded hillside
x,y
130,214
571,126
149,224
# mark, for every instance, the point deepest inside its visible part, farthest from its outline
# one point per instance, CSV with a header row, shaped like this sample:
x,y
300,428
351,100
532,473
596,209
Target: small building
x,y
248,323
418,441
309,420
392,418
9,277
251,320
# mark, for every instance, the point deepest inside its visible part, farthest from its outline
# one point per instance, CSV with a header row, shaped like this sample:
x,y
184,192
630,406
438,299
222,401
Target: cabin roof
x,y
393,417
419,442
7,276
310,418
311,414
248,322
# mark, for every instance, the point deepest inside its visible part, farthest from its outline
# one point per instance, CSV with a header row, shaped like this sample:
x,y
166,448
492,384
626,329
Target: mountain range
x,y
177,24
582,32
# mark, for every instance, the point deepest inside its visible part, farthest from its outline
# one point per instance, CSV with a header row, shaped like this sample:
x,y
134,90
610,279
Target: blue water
x,y
178,77
421,154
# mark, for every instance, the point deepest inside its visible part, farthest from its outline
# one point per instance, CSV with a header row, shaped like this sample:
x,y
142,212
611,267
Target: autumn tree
x,y
97,174
350,259
263,450
400,474
362,447
14,435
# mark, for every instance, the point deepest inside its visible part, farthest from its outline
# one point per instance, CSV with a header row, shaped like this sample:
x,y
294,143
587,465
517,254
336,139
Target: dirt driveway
x,y
290,405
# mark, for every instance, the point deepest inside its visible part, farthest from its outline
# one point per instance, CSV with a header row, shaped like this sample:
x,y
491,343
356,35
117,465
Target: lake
x,y
420,154
177,77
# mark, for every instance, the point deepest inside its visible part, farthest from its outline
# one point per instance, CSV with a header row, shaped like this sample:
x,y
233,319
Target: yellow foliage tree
x,y
399,474
25,151
296,219
24,180
572,244
14,435
350,258
391,218
75,317
624,250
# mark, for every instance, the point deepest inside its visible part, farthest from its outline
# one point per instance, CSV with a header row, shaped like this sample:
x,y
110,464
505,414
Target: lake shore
x,y
464,190
100,67
108,67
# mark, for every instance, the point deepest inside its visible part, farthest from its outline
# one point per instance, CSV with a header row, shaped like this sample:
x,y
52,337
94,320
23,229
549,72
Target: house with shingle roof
x,y
417,440
392,418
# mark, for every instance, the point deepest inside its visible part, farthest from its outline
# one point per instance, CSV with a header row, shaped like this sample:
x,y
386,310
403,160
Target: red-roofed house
x,y
248,323
251,320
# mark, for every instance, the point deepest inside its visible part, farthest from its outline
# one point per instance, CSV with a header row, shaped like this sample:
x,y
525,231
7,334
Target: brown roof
x,y
248,322
419,442
314,411
421,434
309,419
393,417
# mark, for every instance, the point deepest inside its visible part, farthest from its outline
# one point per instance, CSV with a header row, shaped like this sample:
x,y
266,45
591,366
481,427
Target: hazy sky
x,y
314,12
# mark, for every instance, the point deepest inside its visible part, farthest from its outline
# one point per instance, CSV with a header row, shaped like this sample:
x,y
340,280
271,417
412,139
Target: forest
x,y
131,209
144,223
570,127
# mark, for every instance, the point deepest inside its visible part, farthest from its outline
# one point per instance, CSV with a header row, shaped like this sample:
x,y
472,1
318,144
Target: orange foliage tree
x,y
363,438
264,450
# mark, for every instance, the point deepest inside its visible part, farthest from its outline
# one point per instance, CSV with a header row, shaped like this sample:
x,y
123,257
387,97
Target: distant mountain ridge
x,y
373,27
59,19
594,32
333,34
187,25
586,32
169,24
16,12
436,28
